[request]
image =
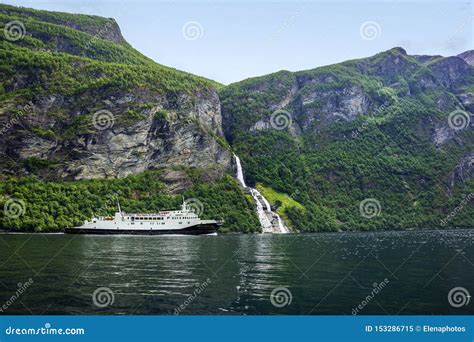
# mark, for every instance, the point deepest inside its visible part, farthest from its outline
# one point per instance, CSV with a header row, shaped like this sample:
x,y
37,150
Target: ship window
x,y
181,223
141,222
133,222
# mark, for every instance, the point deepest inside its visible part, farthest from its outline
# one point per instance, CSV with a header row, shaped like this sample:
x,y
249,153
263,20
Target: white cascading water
x,y
270,221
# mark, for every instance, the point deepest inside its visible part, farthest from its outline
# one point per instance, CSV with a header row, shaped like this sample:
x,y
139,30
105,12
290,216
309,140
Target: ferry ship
x,y
184,221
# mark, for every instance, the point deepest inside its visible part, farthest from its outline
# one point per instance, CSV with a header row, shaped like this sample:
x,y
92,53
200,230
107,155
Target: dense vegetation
x,y
330,167
71,54
83,61
35,205
316,172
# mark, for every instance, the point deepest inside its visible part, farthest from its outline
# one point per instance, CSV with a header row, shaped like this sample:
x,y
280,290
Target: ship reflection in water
x,y
312,274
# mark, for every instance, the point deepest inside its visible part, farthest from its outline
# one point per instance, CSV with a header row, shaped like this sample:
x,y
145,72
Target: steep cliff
x,y
77,102
83,104
393,127
384,142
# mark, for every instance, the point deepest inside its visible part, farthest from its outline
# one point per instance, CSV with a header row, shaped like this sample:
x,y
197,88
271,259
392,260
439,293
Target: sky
x,y
228,41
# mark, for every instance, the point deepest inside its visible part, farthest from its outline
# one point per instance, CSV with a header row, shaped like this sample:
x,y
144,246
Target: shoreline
x,y
6,232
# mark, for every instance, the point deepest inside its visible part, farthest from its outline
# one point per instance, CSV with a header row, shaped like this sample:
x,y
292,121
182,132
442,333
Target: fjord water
x,y
323,273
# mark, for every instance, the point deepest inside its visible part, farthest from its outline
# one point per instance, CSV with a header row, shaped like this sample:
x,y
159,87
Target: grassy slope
x,y
282,201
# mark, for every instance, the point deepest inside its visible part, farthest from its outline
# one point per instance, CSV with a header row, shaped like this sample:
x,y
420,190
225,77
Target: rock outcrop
x,y
69,117
313,100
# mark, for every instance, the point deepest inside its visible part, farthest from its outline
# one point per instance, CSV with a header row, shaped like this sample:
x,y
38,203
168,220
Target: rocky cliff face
x,y
68,117
392,127
318,98
164,133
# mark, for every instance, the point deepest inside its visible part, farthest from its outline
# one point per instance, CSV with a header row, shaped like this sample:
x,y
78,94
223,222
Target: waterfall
x,y
240,174
270,221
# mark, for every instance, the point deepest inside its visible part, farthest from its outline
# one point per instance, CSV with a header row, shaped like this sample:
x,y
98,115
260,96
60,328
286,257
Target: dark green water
x,y
324,273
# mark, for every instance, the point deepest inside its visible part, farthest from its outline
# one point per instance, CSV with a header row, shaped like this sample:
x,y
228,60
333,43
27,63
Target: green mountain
x,y
84,116
384,142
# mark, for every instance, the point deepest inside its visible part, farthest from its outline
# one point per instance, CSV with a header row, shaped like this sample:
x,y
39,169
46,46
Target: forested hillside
x,y
384,142
86,117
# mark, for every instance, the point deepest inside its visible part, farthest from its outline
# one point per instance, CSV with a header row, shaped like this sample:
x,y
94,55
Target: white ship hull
x,y
200,229
183,222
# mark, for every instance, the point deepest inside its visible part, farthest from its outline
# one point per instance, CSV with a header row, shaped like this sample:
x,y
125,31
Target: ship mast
x,y
119,209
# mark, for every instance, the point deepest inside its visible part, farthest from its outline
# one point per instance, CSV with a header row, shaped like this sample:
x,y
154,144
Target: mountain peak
x,y
398,49
99,27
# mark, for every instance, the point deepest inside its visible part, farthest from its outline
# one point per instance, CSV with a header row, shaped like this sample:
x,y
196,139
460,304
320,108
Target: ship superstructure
x,y
183,221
